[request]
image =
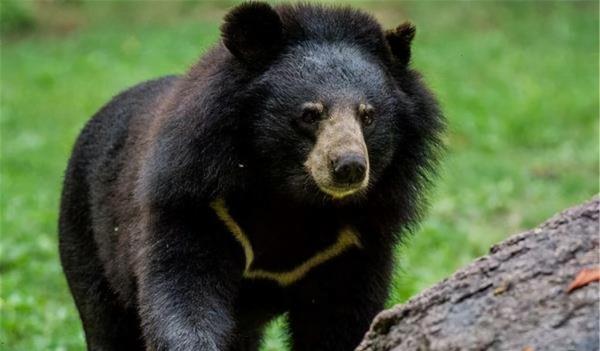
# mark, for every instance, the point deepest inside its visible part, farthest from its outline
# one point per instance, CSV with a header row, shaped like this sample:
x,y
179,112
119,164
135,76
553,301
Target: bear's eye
x,y
366,114
310,117
311,112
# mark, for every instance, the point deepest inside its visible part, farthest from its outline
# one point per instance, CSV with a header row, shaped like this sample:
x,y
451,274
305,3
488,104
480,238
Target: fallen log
x,y
523,296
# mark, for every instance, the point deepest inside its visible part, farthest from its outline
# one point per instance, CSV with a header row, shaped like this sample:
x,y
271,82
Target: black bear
x,y
273,177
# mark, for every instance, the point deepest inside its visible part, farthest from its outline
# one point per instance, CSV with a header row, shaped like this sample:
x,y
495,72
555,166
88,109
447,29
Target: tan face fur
x,y
339,133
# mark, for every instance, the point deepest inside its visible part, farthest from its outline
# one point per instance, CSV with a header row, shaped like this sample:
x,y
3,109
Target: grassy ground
x,y
518,82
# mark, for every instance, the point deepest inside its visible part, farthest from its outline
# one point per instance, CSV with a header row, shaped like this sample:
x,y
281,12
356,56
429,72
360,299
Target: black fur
x,y
399,40
149,263
252,32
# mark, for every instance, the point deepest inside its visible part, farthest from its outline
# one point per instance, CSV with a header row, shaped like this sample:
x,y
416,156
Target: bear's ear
x,y
399,40
252,32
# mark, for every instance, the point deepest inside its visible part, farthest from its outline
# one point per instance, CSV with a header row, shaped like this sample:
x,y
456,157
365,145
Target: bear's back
x,y
105,160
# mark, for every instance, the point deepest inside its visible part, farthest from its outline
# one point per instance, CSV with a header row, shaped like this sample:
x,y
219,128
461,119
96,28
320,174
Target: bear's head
x,y
332,108
306,103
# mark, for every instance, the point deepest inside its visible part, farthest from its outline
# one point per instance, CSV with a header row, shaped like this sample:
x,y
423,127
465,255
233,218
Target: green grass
x,y
517,81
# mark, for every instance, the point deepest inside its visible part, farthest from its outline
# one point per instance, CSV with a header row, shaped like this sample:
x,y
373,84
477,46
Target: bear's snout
x,y
339,160
349,169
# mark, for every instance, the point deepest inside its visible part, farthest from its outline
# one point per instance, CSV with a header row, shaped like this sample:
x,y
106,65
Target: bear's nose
x,y
349,169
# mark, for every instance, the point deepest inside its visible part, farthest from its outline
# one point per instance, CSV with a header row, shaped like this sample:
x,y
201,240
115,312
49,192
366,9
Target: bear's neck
x,y
284,234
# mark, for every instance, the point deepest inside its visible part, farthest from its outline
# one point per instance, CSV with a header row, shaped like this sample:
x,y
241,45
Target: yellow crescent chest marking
x,y
219,207
346,239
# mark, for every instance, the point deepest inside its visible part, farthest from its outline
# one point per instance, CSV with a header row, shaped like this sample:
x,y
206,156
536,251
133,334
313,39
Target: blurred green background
x,y
518,82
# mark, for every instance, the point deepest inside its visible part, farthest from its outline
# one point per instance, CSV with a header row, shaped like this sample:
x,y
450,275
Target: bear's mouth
x,y
327,185
339,192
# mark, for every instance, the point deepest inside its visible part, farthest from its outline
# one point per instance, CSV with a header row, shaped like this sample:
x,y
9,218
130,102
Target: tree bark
x,y
516,298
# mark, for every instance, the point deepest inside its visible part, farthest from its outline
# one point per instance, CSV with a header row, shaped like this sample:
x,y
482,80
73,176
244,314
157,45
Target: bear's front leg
x,y
188,277
334,310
